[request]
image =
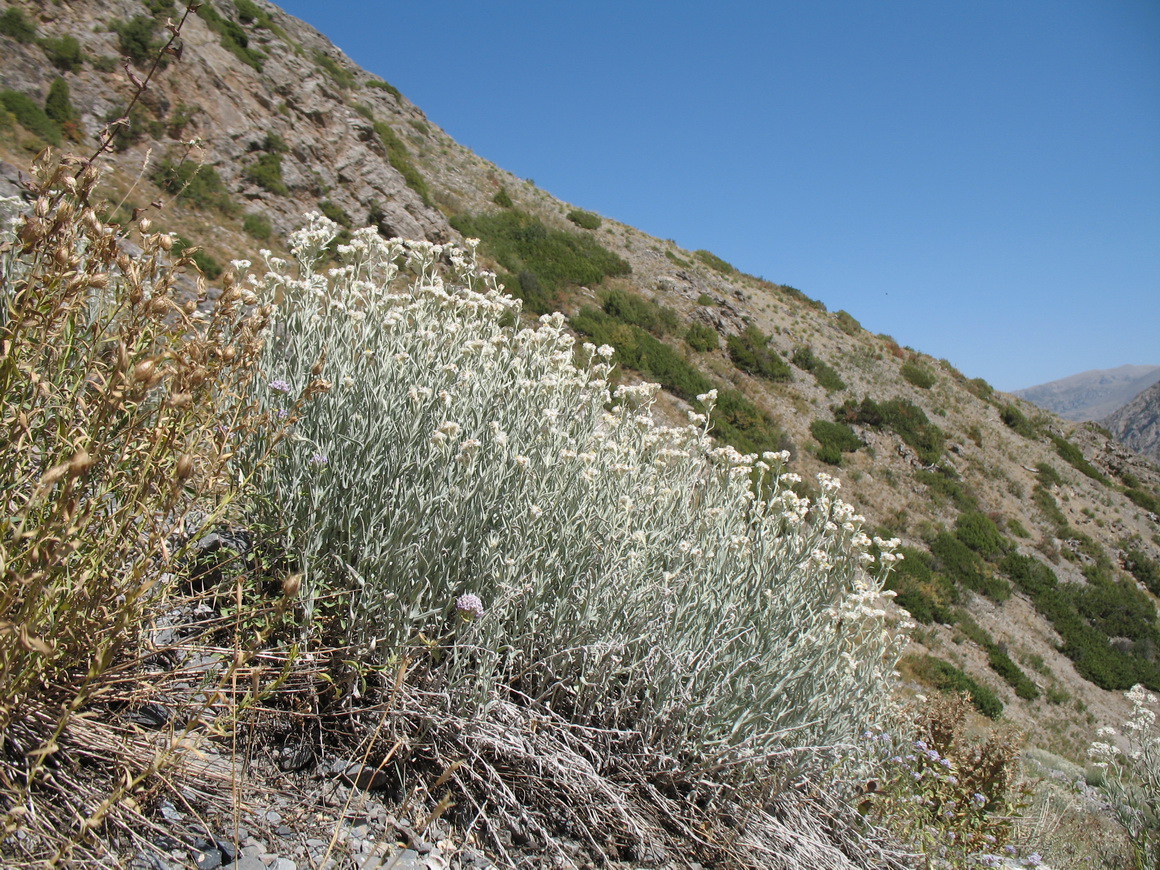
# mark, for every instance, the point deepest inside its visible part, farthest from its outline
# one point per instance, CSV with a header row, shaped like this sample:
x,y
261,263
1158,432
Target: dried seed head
x,y
62,255
145,224
184,467
190,307
181,400
230,354
42,207
143,371
81,462
291,584
166,242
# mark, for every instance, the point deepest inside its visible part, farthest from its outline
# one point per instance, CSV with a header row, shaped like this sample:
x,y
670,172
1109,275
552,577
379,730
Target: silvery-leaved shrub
x,y
478,485
1131,775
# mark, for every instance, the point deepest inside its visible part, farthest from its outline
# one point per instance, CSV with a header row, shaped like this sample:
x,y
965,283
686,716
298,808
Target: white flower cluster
x,y
625,564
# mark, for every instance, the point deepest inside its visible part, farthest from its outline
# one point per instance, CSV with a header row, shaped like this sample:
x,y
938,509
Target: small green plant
x,y
585,219
59,108
750,352
1074,457
705,299
385,86
945,677
30,116
194,183
834,439
682,262
64,52
338,74
231,36
15,24
1014,419
137,38
335,213
919,375
629,307
714,262
902,417
847,322
400,160
830,380
258,227
503,199
250,12
702,337
266,172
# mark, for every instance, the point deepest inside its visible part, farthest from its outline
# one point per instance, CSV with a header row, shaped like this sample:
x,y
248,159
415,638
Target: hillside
x,y
1091,395
1031,542
1137,424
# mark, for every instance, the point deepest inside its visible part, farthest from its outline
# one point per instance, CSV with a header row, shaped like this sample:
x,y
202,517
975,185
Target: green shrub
x,y
945,677
902,417
193,183
558,258
339,75
266,172
714,262
585,219
979,532
1144,499
64,52
58,104
1074,457
830,380
1144,569
834,439
997,657
137,38
231,36
1014,419
946,485
702,337
847,323
680,261
919,375
795,293
251,13
1048,475
400,160
15,24
518,471
750,352
1028,573
963,566
30,116
739,422
926,594
503,199
629,307
335,213
385,86
258,227
209,267
980,388
705,299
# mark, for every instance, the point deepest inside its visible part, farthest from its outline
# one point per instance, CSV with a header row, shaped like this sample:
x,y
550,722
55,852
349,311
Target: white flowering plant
x,y
466,479
1130,765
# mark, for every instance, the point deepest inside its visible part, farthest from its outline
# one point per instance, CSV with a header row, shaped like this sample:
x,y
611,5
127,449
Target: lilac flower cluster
x,y
469,606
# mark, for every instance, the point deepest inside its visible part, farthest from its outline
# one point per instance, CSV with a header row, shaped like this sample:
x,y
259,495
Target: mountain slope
x,y
1016,522
1137,423
1092,394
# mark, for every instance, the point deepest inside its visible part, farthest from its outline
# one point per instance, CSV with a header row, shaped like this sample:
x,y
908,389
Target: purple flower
x,y
990,860
978,798
920,745
469,606
279,386
319,460
1033,860
945,762
282,414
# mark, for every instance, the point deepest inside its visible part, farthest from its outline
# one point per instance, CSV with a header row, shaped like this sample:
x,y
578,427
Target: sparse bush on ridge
x,y
750,352
702,337
585,219
917,374
490,441
804,358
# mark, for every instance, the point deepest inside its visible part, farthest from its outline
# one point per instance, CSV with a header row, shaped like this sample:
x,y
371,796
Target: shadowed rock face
x,y
1093,394
1137,424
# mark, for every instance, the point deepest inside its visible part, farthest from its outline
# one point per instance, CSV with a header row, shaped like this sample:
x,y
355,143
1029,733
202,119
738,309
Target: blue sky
x,y
980,180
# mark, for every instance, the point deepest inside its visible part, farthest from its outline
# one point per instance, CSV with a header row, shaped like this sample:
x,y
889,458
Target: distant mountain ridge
x,y
1093,394
1137,424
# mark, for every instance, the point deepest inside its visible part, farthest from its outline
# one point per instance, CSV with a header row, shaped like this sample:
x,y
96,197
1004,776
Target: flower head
x,y
279,386
469,606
